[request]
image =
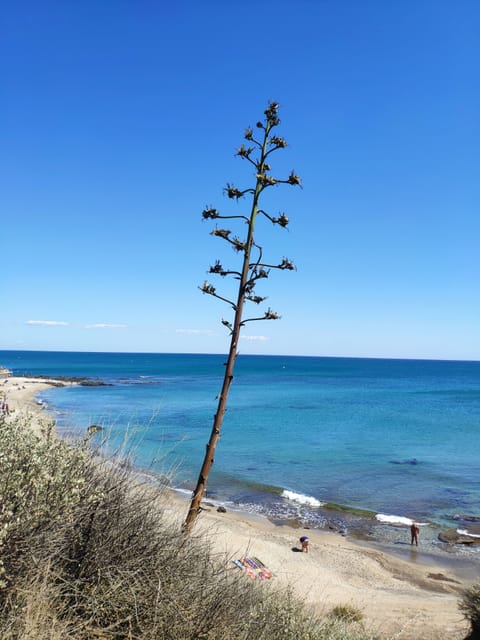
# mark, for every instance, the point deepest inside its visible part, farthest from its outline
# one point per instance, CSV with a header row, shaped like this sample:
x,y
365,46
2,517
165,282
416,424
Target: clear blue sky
x,y
119,123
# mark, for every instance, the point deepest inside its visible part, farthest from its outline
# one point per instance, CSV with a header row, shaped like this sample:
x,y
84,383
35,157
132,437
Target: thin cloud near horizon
x,y
61,323
48,323
105,325
195,331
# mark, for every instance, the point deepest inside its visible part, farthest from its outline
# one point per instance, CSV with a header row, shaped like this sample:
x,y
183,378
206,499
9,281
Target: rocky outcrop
x,y
452,536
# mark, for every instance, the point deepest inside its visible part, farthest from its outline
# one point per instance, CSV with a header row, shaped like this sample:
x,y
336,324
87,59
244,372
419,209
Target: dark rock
x,y
93,428
412,461
451,536
465,518
221,509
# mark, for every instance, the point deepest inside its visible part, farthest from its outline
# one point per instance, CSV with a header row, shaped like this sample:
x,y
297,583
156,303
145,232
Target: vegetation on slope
x,y
87,554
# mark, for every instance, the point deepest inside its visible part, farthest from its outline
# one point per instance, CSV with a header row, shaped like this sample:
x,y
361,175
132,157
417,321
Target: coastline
x,y
20,393
412,596
409,600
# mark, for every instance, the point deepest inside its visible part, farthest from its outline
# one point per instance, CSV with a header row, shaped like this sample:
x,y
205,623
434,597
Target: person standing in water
x,y
414,533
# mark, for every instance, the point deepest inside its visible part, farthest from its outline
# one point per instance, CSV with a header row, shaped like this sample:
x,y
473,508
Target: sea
x,y
317,441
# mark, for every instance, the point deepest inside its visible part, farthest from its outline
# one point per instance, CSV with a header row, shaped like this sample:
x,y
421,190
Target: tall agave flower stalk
x,y
253,269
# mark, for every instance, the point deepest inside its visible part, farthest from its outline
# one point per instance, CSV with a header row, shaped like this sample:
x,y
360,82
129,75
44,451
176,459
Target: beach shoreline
x,y
410,593
20,392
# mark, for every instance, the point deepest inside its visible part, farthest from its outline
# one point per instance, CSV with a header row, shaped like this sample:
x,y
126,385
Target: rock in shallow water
x,y
465,517
451,536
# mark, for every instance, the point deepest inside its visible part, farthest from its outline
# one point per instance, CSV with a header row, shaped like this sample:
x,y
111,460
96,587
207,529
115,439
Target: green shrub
x,y
346,613
42,480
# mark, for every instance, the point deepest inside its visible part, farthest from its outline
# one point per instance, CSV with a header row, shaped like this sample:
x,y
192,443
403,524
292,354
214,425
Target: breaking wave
x,y
381,517
301,498
464,532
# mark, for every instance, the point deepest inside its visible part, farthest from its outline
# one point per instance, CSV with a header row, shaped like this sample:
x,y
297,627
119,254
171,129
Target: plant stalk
x,y
195,504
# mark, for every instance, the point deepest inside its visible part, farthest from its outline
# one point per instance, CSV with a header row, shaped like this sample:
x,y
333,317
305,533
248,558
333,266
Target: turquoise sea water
x,y
395,437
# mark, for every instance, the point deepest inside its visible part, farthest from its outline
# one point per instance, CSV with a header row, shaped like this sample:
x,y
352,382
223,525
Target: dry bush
x,y
346,612
470,607
88,555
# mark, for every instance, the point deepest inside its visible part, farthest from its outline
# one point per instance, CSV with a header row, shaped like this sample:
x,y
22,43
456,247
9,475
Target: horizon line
x,y
254,355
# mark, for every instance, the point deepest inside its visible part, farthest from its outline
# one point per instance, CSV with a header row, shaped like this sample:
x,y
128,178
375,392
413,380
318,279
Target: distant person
x,y
304,540
414,533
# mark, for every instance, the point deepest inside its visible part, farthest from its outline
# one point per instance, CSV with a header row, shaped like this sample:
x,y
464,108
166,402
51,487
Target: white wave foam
x,y
464,532
302,499
187,492
381,517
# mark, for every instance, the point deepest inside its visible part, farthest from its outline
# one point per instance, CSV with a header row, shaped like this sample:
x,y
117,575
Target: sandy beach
x,y
20,392
404,599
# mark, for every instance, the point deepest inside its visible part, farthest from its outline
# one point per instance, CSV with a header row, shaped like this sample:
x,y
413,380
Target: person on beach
x,y
304,540
414,533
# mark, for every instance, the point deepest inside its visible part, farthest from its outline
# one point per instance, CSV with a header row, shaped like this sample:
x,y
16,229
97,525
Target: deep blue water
x,y
398,437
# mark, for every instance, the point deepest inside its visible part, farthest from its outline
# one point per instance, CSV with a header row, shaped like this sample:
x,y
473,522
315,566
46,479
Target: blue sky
x,y
120,121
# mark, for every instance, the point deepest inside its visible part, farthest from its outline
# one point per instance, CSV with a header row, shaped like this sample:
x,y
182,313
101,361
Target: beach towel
x,y
254,568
